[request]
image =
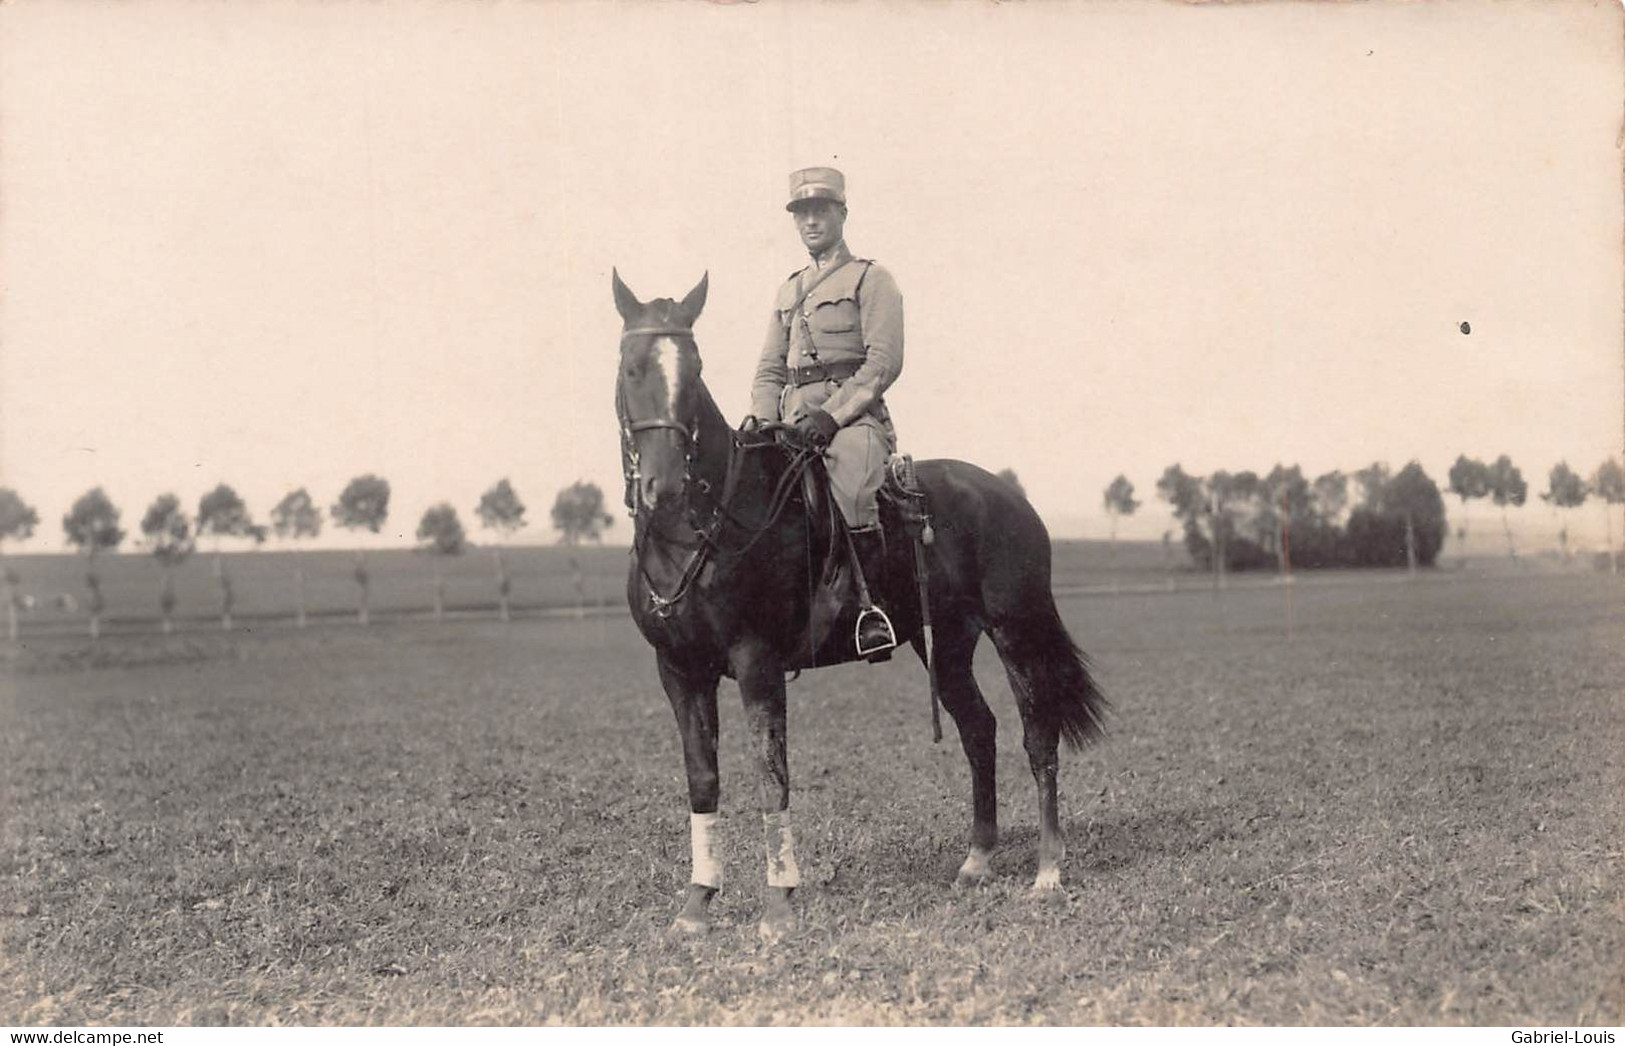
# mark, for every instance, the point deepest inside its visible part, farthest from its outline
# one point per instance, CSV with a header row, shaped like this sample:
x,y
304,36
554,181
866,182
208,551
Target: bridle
x,y
630,468
706,535
627,424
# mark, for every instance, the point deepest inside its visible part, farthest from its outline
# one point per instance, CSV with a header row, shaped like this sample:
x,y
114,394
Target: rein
x,y
707,544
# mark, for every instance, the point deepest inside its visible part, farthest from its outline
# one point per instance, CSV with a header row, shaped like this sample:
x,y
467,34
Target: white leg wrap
x,y
702,842
781,851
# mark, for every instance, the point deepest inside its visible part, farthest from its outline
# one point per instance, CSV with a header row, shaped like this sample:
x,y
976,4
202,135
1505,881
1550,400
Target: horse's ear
x,y
695,302
626,303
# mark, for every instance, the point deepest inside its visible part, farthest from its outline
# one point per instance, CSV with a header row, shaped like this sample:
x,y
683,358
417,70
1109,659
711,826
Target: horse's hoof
x,y
775,927
778,917
977,871
971,880
688,926
695,918
1048,881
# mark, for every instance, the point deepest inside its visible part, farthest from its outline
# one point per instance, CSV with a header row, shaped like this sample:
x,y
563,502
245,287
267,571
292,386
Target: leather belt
x,y
817,372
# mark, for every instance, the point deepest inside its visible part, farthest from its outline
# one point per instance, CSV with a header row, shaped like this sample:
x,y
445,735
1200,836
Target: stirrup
x,y
875,651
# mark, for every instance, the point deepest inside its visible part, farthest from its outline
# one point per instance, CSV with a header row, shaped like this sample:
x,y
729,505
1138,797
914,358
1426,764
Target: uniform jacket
x,y
856,313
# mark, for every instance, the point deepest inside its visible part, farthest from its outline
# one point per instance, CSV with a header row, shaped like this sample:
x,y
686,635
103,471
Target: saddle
x,y
834,597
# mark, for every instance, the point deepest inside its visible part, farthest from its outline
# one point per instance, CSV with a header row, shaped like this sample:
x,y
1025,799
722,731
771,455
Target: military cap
x,y
816,183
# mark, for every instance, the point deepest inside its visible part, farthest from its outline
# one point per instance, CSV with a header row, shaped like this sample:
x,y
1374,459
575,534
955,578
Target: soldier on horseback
x,y
834,345
716,582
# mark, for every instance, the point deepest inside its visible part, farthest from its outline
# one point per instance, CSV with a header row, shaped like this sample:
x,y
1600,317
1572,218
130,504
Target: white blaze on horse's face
x,y
658,377
657,392
667,361
662,451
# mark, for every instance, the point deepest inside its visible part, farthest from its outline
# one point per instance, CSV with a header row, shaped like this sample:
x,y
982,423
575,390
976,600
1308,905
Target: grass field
x,y
1391,803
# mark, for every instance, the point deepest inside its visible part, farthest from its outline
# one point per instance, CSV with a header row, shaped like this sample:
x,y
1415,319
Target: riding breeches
x,y
856,456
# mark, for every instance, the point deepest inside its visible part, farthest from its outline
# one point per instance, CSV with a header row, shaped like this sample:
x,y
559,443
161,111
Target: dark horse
x,y
719,586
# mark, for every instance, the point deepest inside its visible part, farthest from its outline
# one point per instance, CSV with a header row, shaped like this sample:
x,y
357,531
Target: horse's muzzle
x,y
655,491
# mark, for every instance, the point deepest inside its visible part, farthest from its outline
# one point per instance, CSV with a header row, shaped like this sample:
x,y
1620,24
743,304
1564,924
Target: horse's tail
x,y
1055,675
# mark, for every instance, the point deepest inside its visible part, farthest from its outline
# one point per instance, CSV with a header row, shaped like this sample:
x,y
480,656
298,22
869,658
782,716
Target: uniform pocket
x,y
835,317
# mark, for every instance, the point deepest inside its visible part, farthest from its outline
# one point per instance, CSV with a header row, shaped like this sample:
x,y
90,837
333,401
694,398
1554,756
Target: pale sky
x,y
283,244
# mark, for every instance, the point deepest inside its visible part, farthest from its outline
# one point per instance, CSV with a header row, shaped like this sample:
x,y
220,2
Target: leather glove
x,y
817,427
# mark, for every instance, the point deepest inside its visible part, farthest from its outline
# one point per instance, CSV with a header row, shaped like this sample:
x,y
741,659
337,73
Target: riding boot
x,y
875,637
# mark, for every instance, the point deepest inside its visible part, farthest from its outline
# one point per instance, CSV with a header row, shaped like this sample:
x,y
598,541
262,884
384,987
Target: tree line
x,y
1246,521
1243,521
1503,484
1372,517
93,527
1230,521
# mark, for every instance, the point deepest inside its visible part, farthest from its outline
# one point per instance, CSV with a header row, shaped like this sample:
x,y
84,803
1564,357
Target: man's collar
x,y
834,256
